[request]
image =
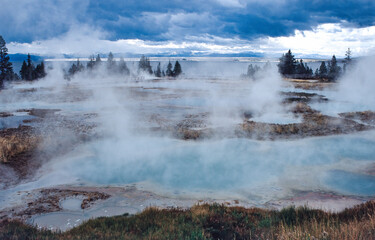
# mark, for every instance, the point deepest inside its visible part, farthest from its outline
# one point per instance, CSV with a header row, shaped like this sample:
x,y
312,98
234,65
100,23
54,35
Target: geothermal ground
x,y
91,147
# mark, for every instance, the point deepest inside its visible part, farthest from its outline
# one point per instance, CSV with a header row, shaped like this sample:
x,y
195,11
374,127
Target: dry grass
x,y
365,116
13,145
356,229
216,222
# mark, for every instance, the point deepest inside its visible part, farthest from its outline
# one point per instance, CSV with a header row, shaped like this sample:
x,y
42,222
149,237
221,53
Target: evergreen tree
x,y
177,69
348,59
30,69
98,61
300,68
144,65
169,72
23,71
158,71
334,70
287,64
6,69
123,68
307,71
316,73
29,72
80,66
40,71
252,70
91,63
163,73
323,70
267,66
111,64
73,69
348,55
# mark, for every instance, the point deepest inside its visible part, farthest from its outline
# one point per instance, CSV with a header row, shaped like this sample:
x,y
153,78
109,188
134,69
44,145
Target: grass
x,y
215,222
13,145
15,141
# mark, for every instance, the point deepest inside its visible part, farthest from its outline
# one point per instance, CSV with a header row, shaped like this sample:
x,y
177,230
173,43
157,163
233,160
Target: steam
x,y
353,91
358,84
264,97
124,149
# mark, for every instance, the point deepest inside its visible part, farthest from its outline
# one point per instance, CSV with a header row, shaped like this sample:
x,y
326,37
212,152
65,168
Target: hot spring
x,y
133,139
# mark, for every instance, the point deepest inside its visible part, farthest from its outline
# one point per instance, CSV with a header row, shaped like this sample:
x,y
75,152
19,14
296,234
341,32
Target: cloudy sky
x,y
195,27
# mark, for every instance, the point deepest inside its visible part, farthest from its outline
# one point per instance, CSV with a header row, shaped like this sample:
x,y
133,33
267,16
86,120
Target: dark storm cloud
x,y
25,21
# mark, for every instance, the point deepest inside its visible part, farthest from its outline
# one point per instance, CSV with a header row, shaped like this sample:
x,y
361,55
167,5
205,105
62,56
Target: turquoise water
x,y
351,183
230,164
14,121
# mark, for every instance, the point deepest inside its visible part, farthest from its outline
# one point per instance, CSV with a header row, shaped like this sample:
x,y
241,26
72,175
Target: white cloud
x,y
231,3
325,40
39,17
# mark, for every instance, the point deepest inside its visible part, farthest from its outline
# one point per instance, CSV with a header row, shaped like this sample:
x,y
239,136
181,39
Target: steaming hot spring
x,y
98,146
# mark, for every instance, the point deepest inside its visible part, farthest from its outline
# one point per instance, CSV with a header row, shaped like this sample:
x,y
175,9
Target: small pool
x,y
14,121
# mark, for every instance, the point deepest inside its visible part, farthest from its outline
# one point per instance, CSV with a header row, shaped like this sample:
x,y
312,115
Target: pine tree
x,y
252,70
30,70
98,61
169,72
144,65
123,68
111,64
310,71
80,67
177,69
316,73
301,69
348,55
267,66
6,69
334,70
40,71
73,69
158,71
23,71
323,70
91,63
287,64
348,59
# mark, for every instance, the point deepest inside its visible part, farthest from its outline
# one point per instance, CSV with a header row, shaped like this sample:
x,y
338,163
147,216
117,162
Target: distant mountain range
x,y
18,57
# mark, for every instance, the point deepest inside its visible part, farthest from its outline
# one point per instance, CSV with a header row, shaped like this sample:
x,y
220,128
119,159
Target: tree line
x,y
145,66
28,71
254,71
94,63
289,67
120,67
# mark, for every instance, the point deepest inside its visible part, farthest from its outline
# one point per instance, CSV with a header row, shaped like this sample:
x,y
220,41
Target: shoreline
x,y
45,208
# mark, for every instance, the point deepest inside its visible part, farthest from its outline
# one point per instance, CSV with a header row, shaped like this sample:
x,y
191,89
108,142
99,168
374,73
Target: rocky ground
x,y
313,124
47,201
